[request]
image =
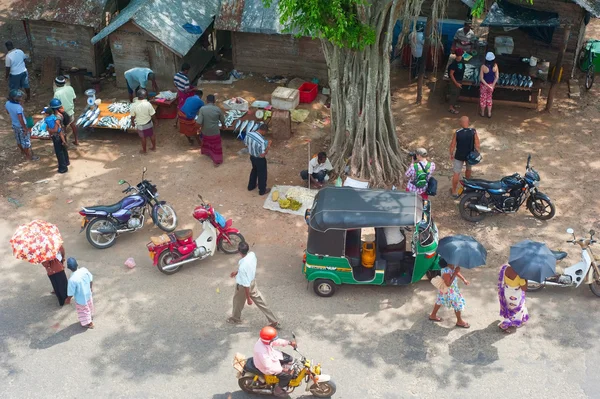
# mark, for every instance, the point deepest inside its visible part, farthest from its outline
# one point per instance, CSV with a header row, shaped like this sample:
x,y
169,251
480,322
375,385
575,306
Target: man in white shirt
x,y
143,117
246,289
16,71
464,38
318,170
417,40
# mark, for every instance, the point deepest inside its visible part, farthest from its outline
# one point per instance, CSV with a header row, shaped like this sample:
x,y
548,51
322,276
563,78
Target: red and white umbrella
x,y
36,241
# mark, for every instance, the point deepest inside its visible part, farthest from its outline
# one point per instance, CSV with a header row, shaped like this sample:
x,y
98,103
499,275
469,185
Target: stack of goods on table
x,y
91,117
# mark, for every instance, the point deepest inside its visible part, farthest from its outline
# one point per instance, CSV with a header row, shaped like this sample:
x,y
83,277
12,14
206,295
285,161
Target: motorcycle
x,y
505,196
586,270
252,380
170,252
103,223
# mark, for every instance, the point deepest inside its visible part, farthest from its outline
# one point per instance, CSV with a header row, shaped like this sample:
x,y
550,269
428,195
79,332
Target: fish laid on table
x,y
243,126
119,108
237,125
250,126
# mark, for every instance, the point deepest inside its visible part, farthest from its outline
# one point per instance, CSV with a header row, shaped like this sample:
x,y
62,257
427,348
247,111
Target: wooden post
x,y
557,68
424,57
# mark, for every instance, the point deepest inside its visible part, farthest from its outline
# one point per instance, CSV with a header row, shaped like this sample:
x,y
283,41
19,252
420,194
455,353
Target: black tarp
x,y
540,25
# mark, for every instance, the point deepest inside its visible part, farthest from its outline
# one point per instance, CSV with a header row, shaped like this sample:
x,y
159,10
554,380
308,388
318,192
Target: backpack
x,y
421,175
431,186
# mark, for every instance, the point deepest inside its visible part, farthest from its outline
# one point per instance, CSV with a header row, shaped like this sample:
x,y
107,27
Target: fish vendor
x,y
181,80
66,95
209,117
137,78
144,118
187,117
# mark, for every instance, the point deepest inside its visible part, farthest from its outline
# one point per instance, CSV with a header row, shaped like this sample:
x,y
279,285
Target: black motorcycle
x,y
505,196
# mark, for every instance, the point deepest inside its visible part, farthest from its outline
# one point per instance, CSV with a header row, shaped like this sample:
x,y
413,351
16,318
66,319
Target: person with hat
x,y
456,72
66,95
464,38
270,361
54,125
488,77
80,288
419,173
17,117
416,40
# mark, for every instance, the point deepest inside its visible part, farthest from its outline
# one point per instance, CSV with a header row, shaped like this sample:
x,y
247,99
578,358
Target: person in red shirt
x,y
270,361
58,278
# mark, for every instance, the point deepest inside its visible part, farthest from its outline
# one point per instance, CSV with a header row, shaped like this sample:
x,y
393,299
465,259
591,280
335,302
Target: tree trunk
x,y
362,124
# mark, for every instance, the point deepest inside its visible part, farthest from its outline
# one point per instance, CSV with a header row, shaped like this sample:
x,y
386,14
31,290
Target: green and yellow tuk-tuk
x,y
361,236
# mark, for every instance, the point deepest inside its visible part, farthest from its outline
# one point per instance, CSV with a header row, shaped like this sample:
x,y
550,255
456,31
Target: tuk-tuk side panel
x,y
313,274
336,269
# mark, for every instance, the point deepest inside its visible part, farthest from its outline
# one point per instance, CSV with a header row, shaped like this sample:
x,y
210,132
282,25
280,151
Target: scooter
x,y
252,380
171,251
586,270
105,222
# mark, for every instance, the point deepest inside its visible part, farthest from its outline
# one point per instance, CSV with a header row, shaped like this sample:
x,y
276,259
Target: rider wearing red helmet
x,y
270,361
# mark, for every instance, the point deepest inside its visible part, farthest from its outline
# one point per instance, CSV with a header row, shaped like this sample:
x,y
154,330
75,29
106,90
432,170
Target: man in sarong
x,y
209,117
187,117
80,288
144,118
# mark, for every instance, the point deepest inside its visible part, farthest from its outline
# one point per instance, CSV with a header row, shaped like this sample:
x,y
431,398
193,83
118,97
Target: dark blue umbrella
x,y
463,251
532,260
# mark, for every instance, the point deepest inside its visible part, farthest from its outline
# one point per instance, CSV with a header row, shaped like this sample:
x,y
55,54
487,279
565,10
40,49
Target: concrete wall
x,y
279,55
71,43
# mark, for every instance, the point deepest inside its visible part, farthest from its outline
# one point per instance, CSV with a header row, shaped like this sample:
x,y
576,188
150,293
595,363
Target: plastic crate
x,y
308,92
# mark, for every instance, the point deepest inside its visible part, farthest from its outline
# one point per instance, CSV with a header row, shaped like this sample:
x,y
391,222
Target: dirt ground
x,y
564,149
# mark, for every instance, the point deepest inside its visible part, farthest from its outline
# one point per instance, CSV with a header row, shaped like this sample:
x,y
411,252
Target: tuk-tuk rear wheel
x,y
324,287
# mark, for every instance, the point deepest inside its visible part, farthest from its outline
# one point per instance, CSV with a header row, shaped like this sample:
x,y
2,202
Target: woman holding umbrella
x,y
451,296
41,242
511,293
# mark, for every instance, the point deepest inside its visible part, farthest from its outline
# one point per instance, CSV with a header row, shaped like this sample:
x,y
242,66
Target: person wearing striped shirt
x,y
181,79
258,147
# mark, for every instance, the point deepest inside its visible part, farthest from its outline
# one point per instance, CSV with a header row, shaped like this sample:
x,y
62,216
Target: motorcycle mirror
x,y
592,232
121,181
570,231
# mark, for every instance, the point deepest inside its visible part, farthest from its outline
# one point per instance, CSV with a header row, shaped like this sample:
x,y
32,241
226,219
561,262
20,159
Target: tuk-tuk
x,y
337,252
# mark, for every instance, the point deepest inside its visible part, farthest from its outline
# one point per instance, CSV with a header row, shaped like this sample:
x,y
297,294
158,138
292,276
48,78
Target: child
x,y
58,139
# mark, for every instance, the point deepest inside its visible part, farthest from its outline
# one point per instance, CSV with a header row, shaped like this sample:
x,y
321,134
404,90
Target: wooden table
x,y
535,92
105,112
165,109
248,116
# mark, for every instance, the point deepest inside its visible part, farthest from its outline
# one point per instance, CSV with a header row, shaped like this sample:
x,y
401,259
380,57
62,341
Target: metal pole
x,y
308,164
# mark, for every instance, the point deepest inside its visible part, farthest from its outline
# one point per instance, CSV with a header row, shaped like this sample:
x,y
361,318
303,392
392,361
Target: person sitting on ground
x,y
419,173
318,170
270,361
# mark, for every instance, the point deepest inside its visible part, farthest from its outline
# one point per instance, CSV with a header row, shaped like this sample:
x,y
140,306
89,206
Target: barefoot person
x,y
452,298
17,117
511,294
318,171
144,118
80,288
187,117
209,117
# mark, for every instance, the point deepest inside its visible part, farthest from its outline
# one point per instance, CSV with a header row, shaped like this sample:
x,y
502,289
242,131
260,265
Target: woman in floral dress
x,y
452,299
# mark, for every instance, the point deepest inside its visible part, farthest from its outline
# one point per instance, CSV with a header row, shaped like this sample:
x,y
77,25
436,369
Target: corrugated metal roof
x,y
591,6
249,16
73,12
164,20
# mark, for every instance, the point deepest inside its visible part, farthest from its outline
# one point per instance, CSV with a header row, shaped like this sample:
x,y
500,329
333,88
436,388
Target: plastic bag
x,y
220,219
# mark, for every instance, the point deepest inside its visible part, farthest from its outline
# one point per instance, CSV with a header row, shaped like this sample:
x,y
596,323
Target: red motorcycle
x,y
171,251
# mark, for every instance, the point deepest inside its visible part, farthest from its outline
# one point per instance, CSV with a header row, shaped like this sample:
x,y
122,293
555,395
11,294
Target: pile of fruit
x,y
286,203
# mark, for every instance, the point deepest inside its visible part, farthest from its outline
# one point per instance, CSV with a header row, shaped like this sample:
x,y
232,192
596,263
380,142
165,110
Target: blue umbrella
x,y
532,260
463,251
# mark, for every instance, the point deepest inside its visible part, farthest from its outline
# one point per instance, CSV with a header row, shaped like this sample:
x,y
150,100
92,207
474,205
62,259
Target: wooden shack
x,y
258,44
64,29
161,35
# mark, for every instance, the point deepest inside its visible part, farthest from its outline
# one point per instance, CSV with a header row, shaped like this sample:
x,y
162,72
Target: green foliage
x,y
337,21
479,7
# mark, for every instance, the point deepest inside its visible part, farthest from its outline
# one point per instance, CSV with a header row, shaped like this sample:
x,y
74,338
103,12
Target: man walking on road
x,y
246,290
80,288
16,71
258,148
464,141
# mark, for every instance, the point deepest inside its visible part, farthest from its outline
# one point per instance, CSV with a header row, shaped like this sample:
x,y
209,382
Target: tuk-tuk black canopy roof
x,y
343,208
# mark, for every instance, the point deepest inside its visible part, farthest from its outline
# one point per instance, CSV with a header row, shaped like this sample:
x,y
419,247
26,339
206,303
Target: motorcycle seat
x,y
559,254
251,368
183,234
105,208
487,184
160,240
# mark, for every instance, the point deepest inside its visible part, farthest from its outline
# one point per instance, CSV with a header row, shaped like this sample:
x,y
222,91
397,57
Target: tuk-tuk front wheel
x,y
324,287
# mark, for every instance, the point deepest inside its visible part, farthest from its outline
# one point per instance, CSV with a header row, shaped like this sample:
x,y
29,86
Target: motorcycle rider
x,y
270,361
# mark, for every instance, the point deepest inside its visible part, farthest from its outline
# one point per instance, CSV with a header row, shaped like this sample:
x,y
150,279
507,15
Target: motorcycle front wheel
x,y
164,217
541,209
323,389
231,247
167,257
101,240
595,286
466,212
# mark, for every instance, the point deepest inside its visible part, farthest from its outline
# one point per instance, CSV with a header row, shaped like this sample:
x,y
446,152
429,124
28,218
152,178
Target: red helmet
x,y
268,334
201,213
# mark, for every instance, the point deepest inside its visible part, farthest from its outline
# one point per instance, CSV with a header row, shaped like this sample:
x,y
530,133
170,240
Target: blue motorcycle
x,y
482,197
105,222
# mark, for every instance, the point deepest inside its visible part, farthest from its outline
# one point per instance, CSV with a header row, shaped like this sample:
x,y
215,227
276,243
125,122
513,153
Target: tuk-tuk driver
x,y
270,361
